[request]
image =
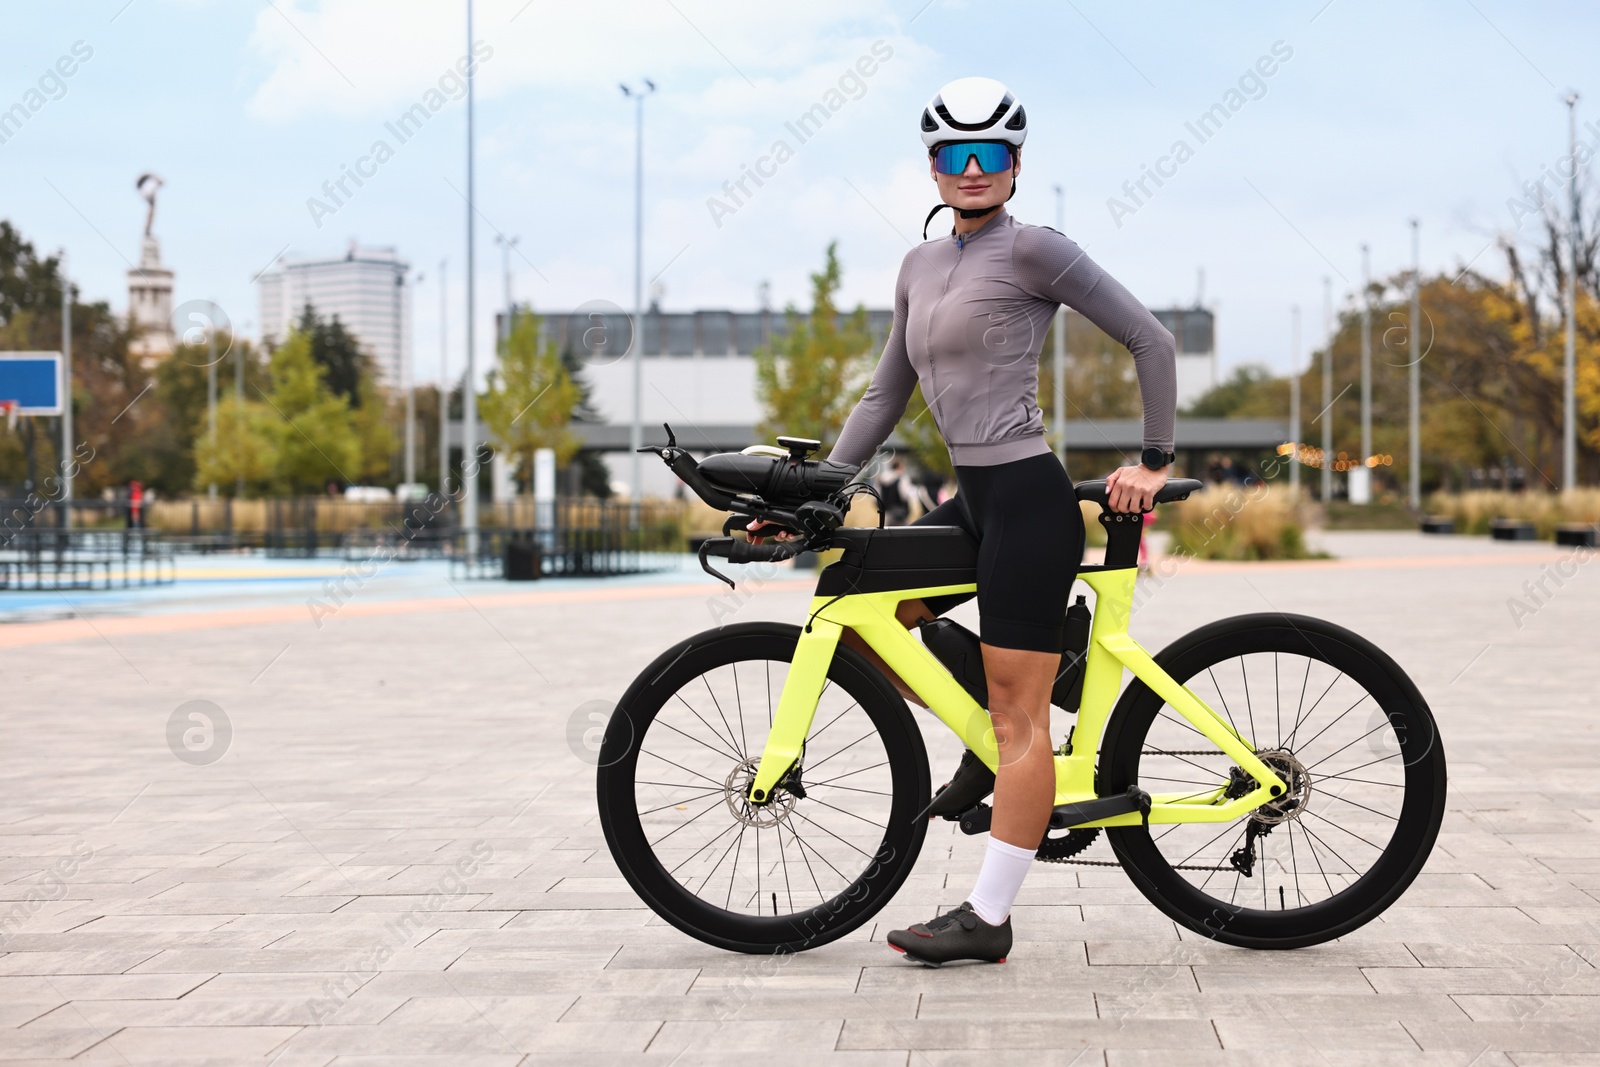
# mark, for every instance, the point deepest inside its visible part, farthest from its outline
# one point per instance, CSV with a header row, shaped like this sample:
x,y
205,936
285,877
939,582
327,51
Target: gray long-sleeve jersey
x,y
970,316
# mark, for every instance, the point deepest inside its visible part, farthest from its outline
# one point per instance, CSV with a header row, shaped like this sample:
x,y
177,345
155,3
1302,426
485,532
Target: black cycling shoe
x,y
955,935
970,784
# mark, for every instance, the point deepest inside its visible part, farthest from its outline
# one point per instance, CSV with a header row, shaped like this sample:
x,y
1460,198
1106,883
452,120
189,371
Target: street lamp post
x,y
469,397
403,356
1366,368
67,447
1294,399
1058,356
1569,419
1414,459
211,389
636,431
1327,391
444,383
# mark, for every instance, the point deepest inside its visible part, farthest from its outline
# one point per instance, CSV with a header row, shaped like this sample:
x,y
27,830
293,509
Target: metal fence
x,y
51,559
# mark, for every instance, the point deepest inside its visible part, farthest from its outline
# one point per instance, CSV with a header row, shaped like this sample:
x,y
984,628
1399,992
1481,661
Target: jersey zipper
x,y
927,337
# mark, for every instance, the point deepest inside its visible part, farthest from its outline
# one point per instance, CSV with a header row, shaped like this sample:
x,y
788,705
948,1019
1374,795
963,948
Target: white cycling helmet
x,y
974,109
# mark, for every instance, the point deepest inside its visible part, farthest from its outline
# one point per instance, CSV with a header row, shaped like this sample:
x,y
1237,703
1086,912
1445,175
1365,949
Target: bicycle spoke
x,y
732,748
783,858
850,788
1335,722
1311,835
739,847
718,705
686,822
1363,807
744,741
1313,847
725,830
1226,710
676,804
696,740
1247,705
1363,781
1293,733
853,815
681,767
722,857
1360,766
846,774
1295,863
817,852
1342,830
831,721
799,815
821,897
846,748
1277,701
1226,851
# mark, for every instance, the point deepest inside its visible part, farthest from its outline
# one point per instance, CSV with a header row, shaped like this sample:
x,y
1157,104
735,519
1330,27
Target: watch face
x,y
1154,458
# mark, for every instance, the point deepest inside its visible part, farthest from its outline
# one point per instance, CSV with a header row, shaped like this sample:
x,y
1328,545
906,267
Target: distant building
x,y
699,374
366,288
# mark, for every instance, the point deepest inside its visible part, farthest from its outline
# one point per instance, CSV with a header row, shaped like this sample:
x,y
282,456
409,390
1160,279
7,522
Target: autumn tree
x,y
531,398
809,379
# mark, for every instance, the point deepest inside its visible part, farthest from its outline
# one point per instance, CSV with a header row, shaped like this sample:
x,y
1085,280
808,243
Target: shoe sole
x,y
931,963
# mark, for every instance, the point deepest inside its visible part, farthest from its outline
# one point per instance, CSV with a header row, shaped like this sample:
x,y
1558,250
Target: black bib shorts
x,y
1025,518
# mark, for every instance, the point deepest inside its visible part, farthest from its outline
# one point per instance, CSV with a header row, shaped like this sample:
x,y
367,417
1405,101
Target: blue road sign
x,y
33,380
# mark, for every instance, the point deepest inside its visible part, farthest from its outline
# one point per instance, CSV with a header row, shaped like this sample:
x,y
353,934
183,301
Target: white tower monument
x,y
150,288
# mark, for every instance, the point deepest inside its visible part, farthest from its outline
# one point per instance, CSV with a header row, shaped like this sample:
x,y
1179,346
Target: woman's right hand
x,y
756,539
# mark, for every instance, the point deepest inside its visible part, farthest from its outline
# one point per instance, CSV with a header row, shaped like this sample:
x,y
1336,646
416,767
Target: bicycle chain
x,y
1176,866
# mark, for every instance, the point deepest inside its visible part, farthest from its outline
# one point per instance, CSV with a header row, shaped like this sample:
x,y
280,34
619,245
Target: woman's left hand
x,y
1134,488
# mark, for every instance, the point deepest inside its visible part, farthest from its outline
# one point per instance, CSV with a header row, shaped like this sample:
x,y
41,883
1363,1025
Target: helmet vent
x,y
1019,121
928,125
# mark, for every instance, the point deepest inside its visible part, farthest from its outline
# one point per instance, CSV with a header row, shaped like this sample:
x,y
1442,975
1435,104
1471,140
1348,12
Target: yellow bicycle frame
x,y
872,615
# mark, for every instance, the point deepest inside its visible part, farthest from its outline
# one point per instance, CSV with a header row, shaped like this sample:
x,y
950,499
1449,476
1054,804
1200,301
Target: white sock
x,y
999,880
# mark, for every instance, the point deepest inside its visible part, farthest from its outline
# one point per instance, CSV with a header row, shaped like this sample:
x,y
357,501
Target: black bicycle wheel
x,y
823,856
1347,731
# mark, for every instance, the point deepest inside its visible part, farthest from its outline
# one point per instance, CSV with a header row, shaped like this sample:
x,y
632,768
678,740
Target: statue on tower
x,y
150,286
148,186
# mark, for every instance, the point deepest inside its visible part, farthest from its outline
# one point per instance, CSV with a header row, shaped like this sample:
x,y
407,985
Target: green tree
x,y
1251,391
594,477
374,420
810,378
318,443
249,435
530,399
338,352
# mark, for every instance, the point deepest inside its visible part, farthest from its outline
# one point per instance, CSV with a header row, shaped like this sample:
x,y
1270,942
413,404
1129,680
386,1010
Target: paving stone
x,y
231,913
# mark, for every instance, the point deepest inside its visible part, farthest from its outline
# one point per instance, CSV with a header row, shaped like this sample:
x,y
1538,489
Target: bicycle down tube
x,y
1111,649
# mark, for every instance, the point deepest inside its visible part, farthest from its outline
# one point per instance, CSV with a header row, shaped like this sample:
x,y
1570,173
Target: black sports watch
x,y
1155,458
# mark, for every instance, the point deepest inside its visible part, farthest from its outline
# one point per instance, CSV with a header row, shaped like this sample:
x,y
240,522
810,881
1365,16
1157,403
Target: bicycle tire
x,y
1422,777
837,912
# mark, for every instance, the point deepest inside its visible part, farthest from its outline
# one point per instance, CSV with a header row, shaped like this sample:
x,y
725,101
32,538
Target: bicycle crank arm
x,y
977,819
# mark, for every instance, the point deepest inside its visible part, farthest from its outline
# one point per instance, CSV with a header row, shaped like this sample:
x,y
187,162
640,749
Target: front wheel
x,y
1346,730
831,847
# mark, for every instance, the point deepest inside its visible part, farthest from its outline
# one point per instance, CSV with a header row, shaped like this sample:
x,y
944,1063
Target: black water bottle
x,y
1068,688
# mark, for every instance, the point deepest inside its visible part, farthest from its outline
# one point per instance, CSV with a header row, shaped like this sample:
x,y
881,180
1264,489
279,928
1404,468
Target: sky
x,y
1372,114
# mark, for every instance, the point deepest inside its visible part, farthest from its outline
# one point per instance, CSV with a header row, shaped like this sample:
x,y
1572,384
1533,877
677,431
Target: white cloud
x,y
363,57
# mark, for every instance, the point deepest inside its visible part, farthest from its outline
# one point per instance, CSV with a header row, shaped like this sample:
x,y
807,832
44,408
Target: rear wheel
x,y
1346,730
823,856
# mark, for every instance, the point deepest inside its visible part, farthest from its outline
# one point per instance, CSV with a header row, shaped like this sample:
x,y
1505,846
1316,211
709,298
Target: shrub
x,y
1237,524
1475,508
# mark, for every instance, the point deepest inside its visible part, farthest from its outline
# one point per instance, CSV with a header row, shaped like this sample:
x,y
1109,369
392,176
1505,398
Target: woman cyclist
x,y
970,315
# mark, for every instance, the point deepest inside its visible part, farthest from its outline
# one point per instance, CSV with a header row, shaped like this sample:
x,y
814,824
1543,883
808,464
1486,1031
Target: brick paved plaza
x,y
396,860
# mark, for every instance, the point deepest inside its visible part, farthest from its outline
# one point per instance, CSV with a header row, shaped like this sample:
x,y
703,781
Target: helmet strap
x,y
964,212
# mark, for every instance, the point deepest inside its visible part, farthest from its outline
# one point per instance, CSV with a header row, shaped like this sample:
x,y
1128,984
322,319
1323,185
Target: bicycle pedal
x,y
1135,799
975,820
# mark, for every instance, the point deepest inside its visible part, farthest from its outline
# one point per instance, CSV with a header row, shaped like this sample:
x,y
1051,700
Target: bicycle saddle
x,y
1175,489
